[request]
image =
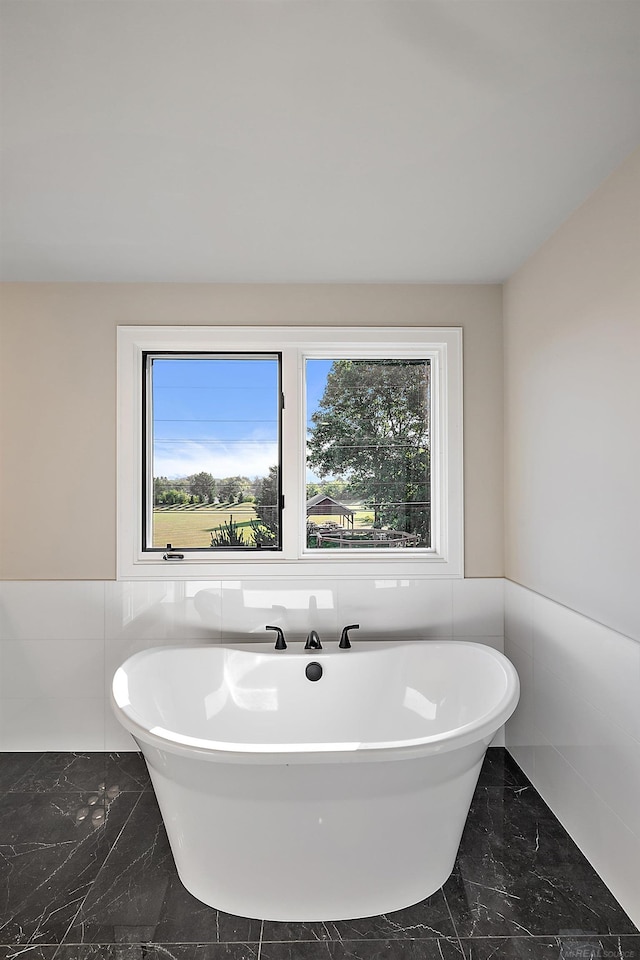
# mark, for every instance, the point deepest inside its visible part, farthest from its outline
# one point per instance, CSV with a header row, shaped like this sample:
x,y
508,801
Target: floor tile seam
x,y
208,943
63,941
260,940
453,923
258,943
93,944
556,936
66,793
381,939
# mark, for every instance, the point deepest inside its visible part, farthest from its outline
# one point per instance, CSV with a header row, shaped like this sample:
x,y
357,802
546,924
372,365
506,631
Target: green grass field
x,y
192,526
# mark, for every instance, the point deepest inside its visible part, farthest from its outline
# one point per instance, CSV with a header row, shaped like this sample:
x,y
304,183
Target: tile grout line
x,y
453,923
260,940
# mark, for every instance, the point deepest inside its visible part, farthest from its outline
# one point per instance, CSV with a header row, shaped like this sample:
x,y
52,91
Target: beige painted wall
x,y
572,400
58,402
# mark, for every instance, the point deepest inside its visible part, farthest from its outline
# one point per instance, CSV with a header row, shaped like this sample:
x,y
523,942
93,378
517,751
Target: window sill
x,y
245,568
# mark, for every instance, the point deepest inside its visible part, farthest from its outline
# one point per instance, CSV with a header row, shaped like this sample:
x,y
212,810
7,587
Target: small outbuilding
x,y
324,506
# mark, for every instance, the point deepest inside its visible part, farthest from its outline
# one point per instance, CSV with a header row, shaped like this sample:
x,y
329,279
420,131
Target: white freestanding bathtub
x,y
286,798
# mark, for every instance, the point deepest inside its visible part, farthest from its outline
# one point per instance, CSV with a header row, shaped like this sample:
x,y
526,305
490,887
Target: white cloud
x,y
238,459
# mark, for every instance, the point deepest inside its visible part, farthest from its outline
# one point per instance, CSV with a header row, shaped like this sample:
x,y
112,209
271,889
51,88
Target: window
x,y
368,443
247,452
212,452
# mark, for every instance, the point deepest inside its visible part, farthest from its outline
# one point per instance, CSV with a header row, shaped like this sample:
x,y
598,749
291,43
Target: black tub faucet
x,y
280,643
345,643
313,641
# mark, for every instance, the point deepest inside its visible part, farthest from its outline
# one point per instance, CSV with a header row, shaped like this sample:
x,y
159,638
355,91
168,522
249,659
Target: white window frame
x,y
441,345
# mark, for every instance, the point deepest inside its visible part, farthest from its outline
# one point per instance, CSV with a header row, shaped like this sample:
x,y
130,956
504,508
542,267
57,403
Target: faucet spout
x,y
313,641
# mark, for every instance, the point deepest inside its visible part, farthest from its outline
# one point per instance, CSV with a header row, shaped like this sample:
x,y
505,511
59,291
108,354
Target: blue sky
x,y
221,415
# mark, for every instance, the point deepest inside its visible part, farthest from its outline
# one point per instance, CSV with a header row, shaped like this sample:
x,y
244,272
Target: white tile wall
x,y
247,606
52,610
405,609
157,612
52,723
576,731
61,642
478,608
35,669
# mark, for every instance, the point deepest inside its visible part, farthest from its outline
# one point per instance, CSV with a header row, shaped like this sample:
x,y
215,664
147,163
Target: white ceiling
x,y
305,140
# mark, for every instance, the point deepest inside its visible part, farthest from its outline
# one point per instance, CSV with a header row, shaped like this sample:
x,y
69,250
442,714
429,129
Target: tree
x,y
371,429
334,488
173,496
160,487
267,495
203,486
233,488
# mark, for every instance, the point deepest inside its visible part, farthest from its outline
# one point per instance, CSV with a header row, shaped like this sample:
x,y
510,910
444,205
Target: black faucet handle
x,y
280,642
345,643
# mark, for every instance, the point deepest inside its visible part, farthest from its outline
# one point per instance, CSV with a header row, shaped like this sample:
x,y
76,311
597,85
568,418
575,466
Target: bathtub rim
x,y
227,752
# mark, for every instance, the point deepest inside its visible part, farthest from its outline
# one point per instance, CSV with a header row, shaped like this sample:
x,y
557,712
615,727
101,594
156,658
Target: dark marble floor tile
x,y
27,953
137,897
436,949
13,766
511,948
109,890
554,948
489,898
428,919
185,919
164,951
51,849
603,948
144,951
500,770
99,772
128,771
518,828
514,774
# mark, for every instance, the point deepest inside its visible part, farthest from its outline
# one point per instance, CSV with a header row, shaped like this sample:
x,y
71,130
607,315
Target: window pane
x,y
368,454
214,450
